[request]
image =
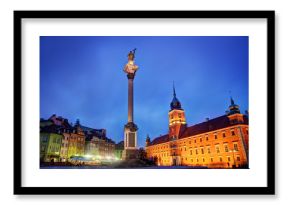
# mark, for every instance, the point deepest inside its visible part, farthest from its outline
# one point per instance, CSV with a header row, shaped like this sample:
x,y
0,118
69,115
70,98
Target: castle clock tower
x,y
177,124
176,115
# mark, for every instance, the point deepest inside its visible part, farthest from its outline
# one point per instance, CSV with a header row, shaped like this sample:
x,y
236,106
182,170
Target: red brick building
x,y
221,142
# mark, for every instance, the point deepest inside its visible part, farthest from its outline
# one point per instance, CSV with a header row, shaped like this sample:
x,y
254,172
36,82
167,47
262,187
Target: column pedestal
x,y
130,141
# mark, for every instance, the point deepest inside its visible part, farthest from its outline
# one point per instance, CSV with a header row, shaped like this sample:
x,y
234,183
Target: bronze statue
x,y
131,55
130,67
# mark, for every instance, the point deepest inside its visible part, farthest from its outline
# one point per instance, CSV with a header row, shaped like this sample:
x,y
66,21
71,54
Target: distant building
x,y
76,142
54,127
60,140
99,146
64,155
50,143
58,120
221,142
119,148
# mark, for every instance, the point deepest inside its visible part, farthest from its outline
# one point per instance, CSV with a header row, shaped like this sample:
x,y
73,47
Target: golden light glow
x,y
200,150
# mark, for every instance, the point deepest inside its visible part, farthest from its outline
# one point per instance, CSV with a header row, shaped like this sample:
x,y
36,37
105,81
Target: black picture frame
x,y
268,190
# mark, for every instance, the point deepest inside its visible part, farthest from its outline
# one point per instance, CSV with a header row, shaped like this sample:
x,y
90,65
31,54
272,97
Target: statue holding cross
x,y
130,67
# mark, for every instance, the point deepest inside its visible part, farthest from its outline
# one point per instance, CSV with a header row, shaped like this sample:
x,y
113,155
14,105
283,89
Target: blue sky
x,y
82,78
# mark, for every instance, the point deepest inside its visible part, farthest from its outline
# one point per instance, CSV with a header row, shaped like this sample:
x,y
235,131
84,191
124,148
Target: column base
x,y
130,154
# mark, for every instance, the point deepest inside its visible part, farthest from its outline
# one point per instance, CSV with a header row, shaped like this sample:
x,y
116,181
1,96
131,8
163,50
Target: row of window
x,y
203,160
92,146
195,140
226,149
54,148
220,159
179,115
208,149
215,137
77,138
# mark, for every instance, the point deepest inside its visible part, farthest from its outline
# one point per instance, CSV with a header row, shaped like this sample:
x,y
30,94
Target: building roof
x,y
159,140
90,136
58,120
207,126
119,146
51,129
93,130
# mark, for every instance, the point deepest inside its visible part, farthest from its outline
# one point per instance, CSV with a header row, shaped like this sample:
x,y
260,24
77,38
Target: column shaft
x,y
130,100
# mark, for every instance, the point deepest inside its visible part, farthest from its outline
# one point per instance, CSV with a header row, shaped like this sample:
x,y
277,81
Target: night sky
x,y
82,78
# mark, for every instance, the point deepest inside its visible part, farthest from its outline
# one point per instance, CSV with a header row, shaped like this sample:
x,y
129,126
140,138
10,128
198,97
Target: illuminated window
x,y
236,147
238,158
224,135
200,139
226,148
196,159
211,159
190,152
194,141
221,159
208,150
233,133
196,151
217,149
179,115
201,149
215,136
229,159
206,138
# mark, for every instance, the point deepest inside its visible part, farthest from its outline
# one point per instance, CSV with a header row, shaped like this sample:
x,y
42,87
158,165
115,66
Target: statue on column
x,y
130,68
130,129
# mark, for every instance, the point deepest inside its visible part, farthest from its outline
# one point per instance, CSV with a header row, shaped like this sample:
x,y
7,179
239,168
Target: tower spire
x,y
232,101
233,108
174,93
175,104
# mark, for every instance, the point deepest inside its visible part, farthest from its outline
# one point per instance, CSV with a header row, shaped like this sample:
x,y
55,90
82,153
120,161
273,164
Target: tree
x,y
142,154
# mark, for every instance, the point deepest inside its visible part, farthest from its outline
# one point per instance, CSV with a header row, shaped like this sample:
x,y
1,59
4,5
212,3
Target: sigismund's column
x,y
130,129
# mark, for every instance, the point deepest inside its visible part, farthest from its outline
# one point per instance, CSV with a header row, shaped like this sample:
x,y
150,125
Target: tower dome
x,y
175,104
233,108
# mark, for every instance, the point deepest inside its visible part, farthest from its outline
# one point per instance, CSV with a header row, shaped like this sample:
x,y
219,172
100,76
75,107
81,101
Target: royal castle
x,y
221,142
